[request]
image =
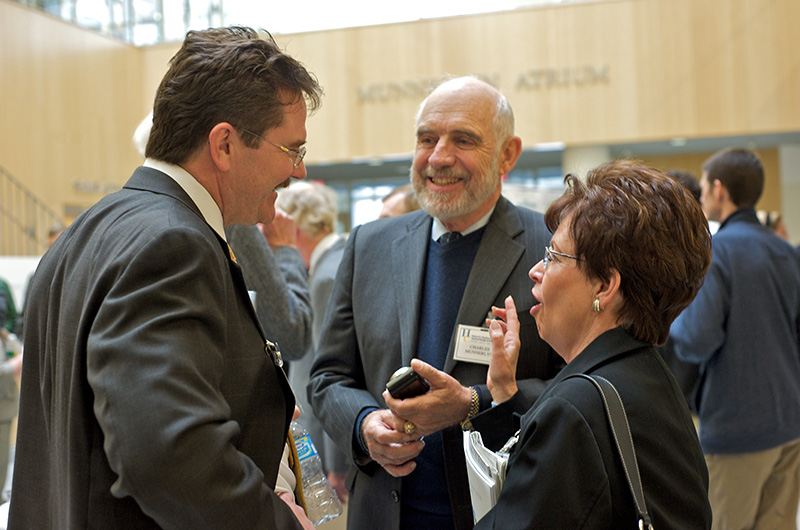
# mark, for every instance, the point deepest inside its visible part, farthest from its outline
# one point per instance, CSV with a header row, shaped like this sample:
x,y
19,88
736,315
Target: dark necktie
x,y
448,237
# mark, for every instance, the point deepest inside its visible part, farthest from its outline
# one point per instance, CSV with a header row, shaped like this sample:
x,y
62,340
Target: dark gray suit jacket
x,y
371,326
565,471
148,400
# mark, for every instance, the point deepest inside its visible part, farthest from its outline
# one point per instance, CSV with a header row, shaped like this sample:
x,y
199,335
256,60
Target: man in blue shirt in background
x,y
743,331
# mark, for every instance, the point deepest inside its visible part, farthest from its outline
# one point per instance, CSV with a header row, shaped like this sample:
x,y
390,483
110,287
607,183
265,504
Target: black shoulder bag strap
x,y
618,420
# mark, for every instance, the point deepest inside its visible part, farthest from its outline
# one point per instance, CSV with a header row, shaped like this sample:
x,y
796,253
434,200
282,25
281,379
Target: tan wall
x,y
689,68
70,102
693,163
584,74
596,73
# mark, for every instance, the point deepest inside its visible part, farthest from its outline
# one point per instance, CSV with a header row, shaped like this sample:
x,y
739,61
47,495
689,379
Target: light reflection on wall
x,y
147,22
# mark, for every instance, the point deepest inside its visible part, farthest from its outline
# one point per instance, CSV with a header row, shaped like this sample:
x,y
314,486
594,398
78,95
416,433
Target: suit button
x,y
395,496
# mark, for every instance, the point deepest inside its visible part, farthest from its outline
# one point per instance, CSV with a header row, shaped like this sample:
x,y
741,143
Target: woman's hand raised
x,y
504,332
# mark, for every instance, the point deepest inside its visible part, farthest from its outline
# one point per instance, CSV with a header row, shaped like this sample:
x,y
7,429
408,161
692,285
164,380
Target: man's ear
x,y
609,289
220,141
719,191
509,154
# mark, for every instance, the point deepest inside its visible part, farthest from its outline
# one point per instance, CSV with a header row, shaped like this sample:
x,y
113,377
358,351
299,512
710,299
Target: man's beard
x,y
449,205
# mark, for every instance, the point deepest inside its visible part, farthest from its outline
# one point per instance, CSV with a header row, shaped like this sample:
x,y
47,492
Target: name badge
x,y
473,345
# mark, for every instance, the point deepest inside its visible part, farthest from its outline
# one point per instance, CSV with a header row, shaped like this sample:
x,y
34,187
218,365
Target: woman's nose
x,y
537,271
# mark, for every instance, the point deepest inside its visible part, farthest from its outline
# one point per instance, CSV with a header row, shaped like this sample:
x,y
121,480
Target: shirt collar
x,y
438,228
199,195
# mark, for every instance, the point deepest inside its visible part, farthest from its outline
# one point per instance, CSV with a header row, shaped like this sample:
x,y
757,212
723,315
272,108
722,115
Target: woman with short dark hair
x,y
629,251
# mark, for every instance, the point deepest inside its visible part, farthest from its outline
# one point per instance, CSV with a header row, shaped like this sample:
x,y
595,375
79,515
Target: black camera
x,y
406,383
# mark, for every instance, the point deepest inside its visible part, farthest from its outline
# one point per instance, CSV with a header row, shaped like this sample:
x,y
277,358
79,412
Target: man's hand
x,y
297,510
445,404
281,232
501,378
392,449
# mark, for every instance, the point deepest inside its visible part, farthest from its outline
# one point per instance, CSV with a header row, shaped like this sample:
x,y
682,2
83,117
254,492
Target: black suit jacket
x,y
371,326
565,471
147,397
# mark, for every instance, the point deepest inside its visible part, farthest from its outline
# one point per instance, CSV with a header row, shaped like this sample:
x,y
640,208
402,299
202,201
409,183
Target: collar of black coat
x,y
604,348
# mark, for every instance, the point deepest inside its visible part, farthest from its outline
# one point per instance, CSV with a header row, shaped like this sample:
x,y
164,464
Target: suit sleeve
x,y
337,388
280,281
556,476
155,355
295,328
320,291
320,294
699,331
499,423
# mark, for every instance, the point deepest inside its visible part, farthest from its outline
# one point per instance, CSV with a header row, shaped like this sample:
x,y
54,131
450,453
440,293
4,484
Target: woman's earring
x,y
596,305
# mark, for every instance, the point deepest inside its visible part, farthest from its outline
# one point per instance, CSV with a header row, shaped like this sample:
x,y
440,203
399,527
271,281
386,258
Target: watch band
x,y
474,409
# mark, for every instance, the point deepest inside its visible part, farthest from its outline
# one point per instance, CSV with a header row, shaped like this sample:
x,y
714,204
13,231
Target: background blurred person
x,y
629,250
10,367
313,206
775,222
399,201
685,373
8,324
743,330
277,279
689,181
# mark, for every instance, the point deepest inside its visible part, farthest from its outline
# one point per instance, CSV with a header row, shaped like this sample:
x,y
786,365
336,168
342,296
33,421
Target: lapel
x,y
240,285
498,255
409,254
271,349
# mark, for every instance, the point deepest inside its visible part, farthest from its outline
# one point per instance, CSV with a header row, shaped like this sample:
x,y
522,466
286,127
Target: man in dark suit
x,y
150,396
401,294
273,271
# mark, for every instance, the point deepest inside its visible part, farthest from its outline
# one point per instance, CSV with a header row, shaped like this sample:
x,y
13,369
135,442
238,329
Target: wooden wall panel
x,y
70,102
584,74
693,163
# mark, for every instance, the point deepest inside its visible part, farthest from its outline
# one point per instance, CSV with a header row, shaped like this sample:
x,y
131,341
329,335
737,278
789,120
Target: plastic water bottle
x,y
321,500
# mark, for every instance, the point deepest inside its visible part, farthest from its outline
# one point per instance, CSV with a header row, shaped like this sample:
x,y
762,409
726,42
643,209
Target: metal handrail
x,y
25,220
